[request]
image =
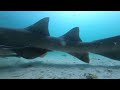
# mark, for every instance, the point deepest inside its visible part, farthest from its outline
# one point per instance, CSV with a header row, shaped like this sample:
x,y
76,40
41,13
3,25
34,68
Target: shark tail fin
x,y
73,35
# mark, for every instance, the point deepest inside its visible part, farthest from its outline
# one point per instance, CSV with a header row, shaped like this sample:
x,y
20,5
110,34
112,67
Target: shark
x,y
35,41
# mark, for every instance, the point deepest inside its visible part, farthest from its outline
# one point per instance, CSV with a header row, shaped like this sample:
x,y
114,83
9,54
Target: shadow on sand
x,y
61,66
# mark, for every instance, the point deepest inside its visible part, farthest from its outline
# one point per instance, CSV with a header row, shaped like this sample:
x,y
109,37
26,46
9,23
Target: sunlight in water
x,y
80,13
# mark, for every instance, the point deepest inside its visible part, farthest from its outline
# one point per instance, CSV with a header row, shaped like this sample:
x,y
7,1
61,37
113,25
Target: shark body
x,y
35,41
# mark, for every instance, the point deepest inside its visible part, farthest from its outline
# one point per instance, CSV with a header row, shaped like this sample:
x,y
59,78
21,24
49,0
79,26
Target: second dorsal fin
x,y
72,35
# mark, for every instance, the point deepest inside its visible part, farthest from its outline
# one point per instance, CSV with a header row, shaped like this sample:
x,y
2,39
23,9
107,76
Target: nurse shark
x,y
35,41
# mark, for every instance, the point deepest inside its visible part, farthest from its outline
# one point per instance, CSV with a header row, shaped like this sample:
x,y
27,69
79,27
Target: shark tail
x,y
108,47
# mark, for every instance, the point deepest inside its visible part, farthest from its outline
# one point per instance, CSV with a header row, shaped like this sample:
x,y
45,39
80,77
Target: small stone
x,y
42,71
109,70
41,77
98,59
98,71
27,65
64,55
82,68
90,76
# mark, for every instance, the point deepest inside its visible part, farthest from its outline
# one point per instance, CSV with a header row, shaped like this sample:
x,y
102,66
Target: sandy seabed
x,y
58,65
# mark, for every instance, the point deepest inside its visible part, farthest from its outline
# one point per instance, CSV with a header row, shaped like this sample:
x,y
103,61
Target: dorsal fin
x,y
72,35
40,27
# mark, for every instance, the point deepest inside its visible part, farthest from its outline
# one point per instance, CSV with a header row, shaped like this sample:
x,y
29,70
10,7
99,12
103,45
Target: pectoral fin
x,y
30,52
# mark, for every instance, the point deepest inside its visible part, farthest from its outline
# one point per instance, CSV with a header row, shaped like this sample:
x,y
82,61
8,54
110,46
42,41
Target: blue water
x,y
93,24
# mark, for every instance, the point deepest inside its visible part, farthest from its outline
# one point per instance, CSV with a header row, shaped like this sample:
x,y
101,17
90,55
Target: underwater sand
x,y
58,65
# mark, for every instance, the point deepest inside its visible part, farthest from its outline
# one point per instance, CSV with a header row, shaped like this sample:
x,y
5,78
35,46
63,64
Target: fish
x,y
35,41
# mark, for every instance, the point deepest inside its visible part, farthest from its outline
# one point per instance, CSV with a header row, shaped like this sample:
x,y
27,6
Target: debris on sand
x,y
64,55
109,70
90,76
